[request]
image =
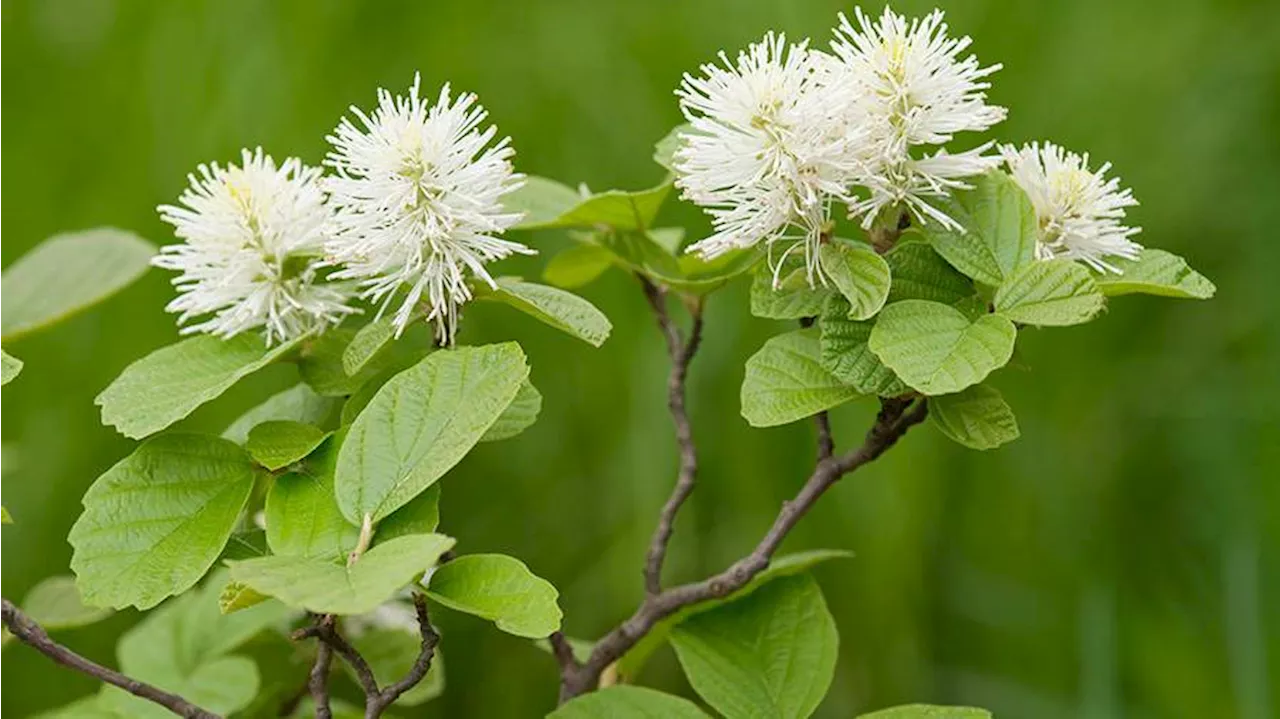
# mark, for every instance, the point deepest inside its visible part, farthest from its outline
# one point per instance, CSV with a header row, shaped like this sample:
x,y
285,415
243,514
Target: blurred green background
x,y
1121,559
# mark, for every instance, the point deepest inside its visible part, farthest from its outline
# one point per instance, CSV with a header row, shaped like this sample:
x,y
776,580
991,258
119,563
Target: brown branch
x,y
318,681
33,635
681,352
378,703
896,416
826,445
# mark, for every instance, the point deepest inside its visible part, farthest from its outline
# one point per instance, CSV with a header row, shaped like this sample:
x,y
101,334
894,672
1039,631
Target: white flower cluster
x,y
784,133
412,211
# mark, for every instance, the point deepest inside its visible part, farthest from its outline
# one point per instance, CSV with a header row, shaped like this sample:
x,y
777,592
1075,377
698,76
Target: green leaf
x,y
391,654
859,274
356,403
770,654
280,443
367,342
541,200
55,603
794,297
668,238
845,354
927,711
168,384
501,589
919,273
577,265
785,381
298,404
785,566
1155,272
324,587
236,596
302,515
936,349
1000,229
420,516
94,706
5,517
184,647
698,276
323,362
665,149
1050,293
246,544
626,702
10,366
977,417
563,310
69,273
423,422
154,523
518,416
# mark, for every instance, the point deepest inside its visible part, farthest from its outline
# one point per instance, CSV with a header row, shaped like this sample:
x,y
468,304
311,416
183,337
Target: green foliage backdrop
x,y
1123,558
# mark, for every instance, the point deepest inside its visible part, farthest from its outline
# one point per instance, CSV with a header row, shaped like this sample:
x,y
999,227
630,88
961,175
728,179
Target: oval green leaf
x,y
299,403
501,589
170,383
10,366
69,273
518,416
55,603
936,349
421,423
577,265
785,381
302,515
927,711
859,274
627,702
563,310
845,354
279,443
154,523
1155,272
978,417
999,232
1050,293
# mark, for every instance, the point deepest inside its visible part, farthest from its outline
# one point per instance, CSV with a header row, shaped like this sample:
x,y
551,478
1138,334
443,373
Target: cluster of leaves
x,y
933,316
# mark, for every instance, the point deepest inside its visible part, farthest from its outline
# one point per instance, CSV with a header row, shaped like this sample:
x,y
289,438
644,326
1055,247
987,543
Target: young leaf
x,y
792,299
236,596
168,384
367,342
577,265
280,443
1155,272
69,273
919,273
155,522
501,589
565,311
785,566
697,276
665,149
927,711
627,702
55,603
10,366
420,516
977,417
785,381
845,354
541,200
302,515
859,274
936,349
324,587
391,654
518,416
770,654
1049,293
668,238
999,232
298,404
421,423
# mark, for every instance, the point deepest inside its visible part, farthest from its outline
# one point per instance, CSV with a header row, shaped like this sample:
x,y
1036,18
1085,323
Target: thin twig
x,y
896,416
681,352
33,635
318,682
826,445
378,703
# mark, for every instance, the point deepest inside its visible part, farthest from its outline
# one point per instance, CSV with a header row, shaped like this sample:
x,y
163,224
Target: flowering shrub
x,y
910,270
